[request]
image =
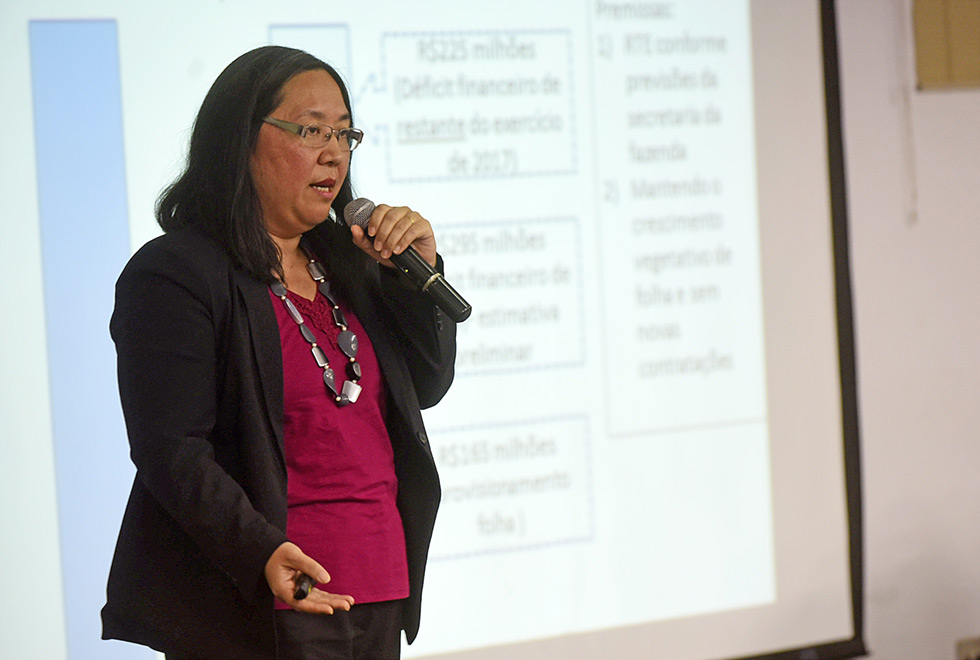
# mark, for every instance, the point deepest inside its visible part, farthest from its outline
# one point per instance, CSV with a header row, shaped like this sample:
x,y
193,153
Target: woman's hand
x,y
392,230
283,570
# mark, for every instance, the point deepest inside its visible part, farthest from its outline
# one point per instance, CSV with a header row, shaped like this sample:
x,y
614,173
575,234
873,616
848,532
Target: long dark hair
x,y
215,193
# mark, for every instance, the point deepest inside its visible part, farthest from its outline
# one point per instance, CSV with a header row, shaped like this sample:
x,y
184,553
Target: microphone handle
x,y
432,283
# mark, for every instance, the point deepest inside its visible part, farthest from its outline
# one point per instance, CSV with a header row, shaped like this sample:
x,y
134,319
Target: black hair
x,y
215,194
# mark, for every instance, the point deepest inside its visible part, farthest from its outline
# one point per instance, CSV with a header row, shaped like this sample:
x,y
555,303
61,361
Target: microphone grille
x,y
358,212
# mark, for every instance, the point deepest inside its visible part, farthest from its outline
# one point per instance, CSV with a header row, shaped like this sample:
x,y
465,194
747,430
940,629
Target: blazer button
x,y
422,437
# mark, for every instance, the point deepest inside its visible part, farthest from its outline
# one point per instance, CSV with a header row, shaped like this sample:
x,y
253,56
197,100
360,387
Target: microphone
x,y
425,277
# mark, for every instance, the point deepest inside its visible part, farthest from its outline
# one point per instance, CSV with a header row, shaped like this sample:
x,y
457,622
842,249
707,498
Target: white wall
x,y
913,161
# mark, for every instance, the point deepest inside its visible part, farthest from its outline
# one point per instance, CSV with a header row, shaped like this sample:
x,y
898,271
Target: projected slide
x,y
631,416
653,359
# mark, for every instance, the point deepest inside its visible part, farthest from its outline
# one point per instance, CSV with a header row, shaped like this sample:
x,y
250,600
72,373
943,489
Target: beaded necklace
x,y
346,340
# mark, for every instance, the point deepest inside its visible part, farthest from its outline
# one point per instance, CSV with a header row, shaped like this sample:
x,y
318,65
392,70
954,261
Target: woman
x,y
260,343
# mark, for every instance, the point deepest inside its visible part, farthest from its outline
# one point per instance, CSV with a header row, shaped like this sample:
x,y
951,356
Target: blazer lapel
x,y
264,333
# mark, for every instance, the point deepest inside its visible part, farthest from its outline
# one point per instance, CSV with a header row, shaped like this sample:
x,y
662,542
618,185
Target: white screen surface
x,y
642,448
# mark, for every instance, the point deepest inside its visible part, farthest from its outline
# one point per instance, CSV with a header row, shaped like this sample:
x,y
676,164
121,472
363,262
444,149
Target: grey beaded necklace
x,y
346,340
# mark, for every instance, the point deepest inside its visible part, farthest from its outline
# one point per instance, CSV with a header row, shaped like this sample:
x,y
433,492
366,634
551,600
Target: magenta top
x,y
339,462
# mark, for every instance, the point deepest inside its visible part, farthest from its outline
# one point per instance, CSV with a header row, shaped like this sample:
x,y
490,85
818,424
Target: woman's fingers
x,y
366,243
283,571
284,568
392,229
323,602
397,229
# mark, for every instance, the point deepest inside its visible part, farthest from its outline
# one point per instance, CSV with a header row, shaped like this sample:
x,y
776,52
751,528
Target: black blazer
x,y
200,379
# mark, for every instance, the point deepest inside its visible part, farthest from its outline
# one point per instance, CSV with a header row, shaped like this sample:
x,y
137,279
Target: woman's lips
x,y
324,187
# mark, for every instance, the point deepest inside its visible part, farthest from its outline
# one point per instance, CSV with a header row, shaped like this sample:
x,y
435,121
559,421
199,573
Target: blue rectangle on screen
x,y
81,183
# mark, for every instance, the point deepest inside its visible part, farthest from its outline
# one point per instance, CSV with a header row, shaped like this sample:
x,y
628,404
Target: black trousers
x,y
371,631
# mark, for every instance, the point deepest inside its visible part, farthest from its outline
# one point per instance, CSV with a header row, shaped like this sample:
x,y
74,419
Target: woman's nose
x,y
331,152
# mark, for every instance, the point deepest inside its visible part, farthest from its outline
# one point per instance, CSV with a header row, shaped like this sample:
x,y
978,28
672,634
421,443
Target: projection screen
x,y
649,450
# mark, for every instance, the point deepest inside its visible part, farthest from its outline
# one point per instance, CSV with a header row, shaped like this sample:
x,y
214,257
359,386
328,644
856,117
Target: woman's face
x,y
296,183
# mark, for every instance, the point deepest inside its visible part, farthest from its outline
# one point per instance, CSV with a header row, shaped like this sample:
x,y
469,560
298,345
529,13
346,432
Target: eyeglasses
x,y
319,135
